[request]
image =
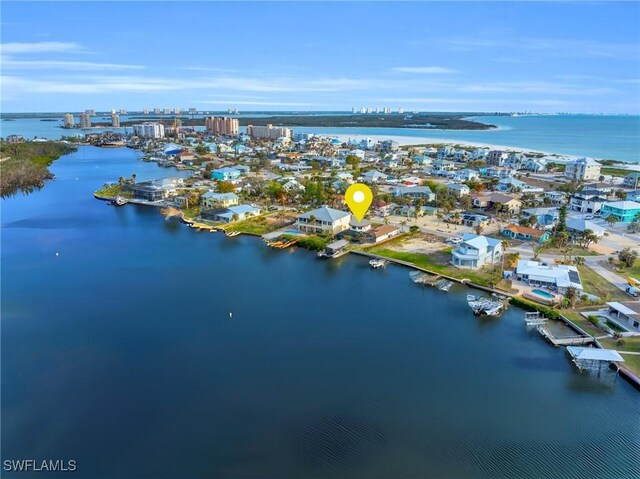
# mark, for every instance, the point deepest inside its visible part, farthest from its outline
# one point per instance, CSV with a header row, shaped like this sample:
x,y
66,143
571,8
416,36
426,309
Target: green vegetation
x,y
109,190
258,225
419,120
24,166
531,306
436,263
311,242
595,284
614,171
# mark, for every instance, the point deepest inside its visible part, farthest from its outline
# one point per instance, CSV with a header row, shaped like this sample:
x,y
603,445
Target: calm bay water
x,y
608,137
120,353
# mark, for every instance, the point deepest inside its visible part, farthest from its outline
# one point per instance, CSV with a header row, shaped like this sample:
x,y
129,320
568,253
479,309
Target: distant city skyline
x,y
496,56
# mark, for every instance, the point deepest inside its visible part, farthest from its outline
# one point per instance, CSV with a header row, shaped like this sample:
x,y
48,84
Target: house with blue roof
x,y
233,213
212,199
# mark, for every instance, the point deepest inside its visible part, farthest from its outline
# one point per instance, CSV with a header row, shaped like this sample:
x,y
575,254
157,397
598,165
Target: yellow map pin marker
x,y
358,198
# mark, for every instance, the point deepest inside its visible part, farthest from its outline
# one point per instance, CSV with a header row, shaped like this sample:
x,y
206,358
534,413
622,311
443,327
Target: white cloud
x,y
39,47
430,70
8,63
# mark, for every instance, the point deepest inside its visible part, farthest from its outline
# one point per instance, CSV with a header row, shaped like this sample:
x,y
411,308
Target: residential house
x,y
415,192
588,201
496,158
627,313
478,154
511,184
632,180
525,233
323,220
374,176
557,278
382,207
225,174
545,217
476,251
499,172
578,225
382,233
633,196
515,160
458,189
293,187
422,160
487,200
582,169
536,165
474,219
466,174
624,211
211,199
233,213
556,197
444,152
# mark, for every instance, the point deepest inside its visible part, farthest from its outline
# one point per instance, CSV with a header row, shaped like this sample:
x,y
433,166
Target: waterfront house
x,y
536,165
476,251
626,313
382,233
211,199
582,169
233,213
225,174
323,220
415,192
576,226
557,278
361,226
444,152
374,176
624,211
146,191
525,233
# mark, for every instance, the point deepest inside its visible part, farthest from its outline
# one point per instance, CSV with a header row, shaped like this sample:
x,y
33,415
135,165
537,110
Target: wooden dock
x,y
566,341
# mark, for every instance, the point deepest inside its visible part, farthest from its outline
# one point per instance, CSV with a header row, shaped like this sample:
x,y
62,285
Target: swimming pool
x,y
544,294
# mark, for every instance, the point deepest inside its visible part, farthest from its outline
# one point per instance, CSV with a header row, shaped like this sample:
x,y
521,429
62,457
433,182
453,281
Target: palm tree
x,y
385,220
611,219
578,260
456,218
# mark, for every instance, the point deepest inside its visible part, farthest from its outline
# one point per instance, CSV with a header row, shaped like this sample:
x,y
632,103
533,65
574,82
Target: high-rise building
x,y
400,111
115,120
192,111
145,111
157,111
149,130
222,126
167,111
353,109
123,111
85,120
268,131
69,122
177,111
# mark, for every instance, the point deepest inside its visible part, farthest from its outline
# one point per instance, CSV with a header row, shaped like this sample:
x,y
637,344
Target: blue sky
x,y
493,56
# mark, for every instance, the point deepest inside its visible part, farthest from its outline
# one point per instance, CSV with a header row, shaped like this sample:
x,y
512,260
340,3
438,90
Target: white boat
x,y
445,285
233,233
482,306
378,263
419,278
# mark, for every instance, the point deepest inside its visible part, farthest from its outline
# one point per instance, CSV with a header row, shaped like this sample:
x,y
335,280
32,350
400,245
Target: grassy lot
x,y
258,225
614,171
632,361
595,284
436,262
575,317
574,251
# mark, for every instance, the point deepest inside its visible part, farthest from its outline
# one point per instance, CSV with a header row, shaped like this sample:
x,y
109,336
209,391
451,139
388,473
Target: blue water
x,y
607,137
544,294
120,354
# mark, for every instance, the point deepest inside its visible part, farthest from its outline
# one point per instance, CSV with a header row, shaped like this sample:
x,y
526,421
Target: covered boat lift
x,y
593,359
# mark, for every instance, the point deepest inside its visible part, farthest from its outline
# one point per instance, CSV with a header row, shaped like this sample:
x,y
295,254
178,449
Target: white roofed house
x,y
466,174
458,189
579,225
537,165
557,278
292,186
476,251
374,176
415,192
323,220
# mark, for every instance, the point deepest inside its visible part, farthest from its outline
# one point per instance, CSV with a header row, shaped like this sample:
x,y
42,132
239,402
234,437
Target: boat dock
x,y
563,341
